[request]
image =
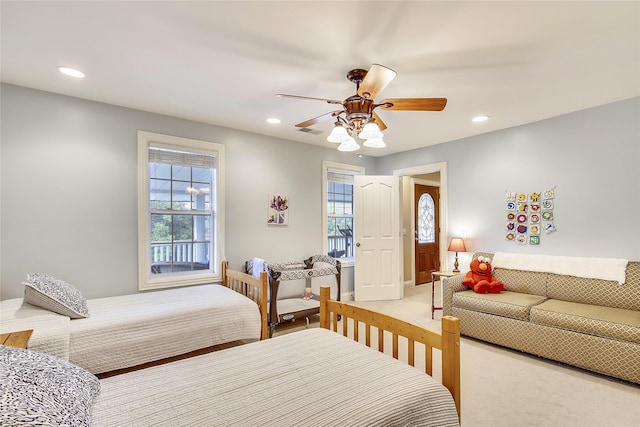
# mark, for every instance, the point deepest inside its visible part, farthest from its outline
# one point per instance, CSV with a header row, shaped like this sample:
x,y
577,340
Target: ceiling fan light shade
x,y
351,145
374,143
339,135
370,131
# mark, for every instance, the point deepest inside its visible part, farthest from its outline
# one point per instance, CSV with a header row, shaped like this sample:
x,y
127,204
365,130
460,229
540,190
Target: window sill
x,y
177,280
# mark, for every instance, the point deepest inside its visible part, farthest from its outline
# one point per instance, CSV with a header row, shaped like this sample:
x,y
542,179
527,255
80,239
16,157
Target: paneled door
x,y
427,232
378,252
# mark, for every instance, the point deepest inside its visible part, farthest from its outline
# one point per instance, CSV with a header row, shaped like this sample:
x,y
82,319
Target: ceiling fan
x,y
357,118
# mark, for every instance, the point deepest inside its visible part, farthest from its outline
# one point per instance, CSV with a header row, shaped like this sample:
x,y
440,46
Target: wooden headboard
x,y
251,287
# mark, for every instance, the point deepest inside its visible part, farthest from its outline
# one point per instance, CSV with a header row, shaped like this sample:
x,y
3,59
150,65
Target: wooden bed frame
x,y
251,287
448,341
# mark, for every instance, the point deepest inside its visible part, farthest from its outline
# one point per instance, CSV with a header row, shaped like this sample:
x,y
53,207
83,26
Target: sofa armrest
x,y
450,285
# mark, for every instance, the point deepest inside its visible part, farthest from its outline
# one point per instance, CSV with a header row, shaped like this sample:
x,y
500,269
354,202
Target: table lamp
x,y
457,245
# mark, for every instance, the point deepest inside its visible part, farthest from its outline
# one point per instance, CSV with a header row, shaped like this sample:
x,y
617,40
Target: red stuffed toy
x,y
479,279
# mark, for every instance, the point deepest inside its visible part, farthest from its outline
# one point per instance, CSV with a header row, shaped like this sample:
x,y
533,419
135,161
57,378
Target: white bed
x,y
130,330
51,331
314,377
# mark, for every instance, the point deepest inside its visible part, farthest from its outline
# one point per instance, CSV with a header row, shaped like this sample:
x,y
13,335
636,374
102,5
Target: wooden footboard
x,y
448,341
251,287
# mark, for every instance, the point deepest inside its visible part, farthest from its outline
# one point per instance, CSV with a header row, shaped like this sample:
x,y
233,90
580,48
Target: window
x,y
180,207
426,219
338,204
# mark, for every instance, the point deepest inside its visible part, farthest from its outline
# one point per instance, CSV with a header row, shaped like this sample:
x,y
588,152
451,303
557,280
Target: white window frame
x,y
340,168
146,280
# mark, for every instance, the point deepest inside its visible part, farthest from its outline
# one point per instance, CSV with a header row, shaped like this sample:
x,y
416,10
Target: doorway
x,y
417,174
426,210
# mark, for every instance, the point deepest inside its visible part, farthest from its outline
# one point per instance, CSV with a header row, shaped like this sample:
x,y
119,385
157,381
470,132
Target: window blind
x,y
172,157
339,177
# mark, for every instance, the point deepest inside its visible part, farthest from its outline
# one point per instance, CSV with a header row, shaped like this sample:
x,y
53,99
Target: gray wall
x,y
68,181
69,191
592,157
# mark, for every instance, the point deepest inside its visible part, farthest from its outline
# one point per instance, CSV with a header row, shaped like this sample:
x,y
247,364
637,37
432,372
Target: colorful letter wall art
x,y
528,215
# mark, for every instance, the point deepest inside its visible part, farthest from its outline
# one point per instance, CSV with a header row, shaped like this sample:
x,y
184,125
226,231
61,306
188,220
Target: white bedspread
x,y
309,378
590,268
129,330
50,330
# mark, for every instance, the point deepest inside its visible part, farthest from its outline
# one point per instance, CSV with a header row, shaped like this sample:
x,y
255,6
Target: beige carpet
x,y
502,387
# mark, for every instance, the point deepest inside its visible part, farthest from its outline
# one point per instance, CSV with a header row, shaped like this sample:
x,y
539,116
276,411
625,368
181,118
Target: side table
x,y
439,275
16,339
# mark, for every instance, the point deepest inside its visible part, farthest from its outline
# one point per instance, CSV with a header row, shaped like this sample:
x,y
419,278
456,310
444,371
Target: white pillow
x,y
39,389
55,295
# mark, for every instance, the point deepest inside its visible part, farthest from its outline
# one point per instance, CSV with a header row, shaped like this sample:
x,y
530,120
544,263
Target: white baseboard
x,y
346,296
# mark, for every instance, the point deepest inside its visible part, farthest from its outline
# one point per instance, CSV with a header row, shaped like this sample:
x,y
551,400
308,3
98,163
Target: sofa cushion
x,y
526,282
506,304
598,292
606,322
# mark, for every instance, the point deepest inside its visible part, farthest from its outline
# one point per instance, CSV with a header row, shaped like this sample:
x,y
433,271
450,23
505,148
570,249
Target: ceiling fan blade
x,y
414,104
377,78
319,119
330,101
379,121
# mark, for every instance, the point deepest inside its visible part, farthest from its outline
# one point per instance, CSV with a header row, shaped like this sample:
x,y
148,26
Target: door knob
x,y
358,244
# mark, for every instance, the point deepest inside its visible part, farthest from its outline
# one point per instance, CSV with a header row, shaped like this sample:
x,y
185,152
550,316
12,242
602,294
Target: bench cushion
x,y
606,322
598,292
506,304
526,282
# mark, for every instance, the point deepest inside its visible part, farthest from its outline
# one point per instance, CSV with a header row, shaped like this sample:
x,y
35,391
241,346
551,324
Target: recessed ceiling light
x,y
273,120
71,72
478,119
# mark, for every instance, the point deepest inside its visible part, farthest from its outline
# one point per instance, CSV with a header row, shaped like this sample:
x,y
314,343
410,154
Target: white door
x,y
377,274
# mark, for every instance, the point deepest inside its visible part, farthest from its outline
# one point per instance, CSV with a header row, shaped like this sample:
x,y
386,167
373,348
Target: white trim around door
x,y
426,169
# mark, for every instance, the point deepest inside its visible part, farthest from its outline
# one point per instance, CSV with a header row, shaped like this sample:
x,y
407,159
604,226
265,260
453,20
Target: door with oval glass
x,y
427,232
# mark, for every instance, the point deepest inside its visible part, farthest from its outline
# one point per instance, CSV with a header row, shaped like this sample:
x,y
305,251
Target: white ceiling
x,y
223,62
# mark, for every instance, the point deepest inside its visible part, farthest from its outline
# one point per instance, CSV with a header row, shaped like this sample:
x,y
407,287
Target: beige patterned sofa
x,y
589,323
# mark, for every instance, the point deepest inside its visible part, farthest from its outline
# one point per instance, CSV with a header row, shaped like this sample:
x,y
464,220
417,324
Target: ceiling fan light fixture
x,y
339,134
374,143
351,145
370,131
357,119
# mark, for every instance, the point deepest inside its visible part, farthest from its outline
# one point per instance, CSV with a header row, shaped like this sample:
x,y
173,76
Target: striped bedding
x,y
314,377
130,330
51,331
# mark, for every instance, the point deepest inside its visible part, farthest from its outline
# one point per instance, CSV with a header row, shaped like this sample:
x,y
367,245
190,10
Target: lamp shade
x,y
370,130
374,143
457,245
350,145
339,134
